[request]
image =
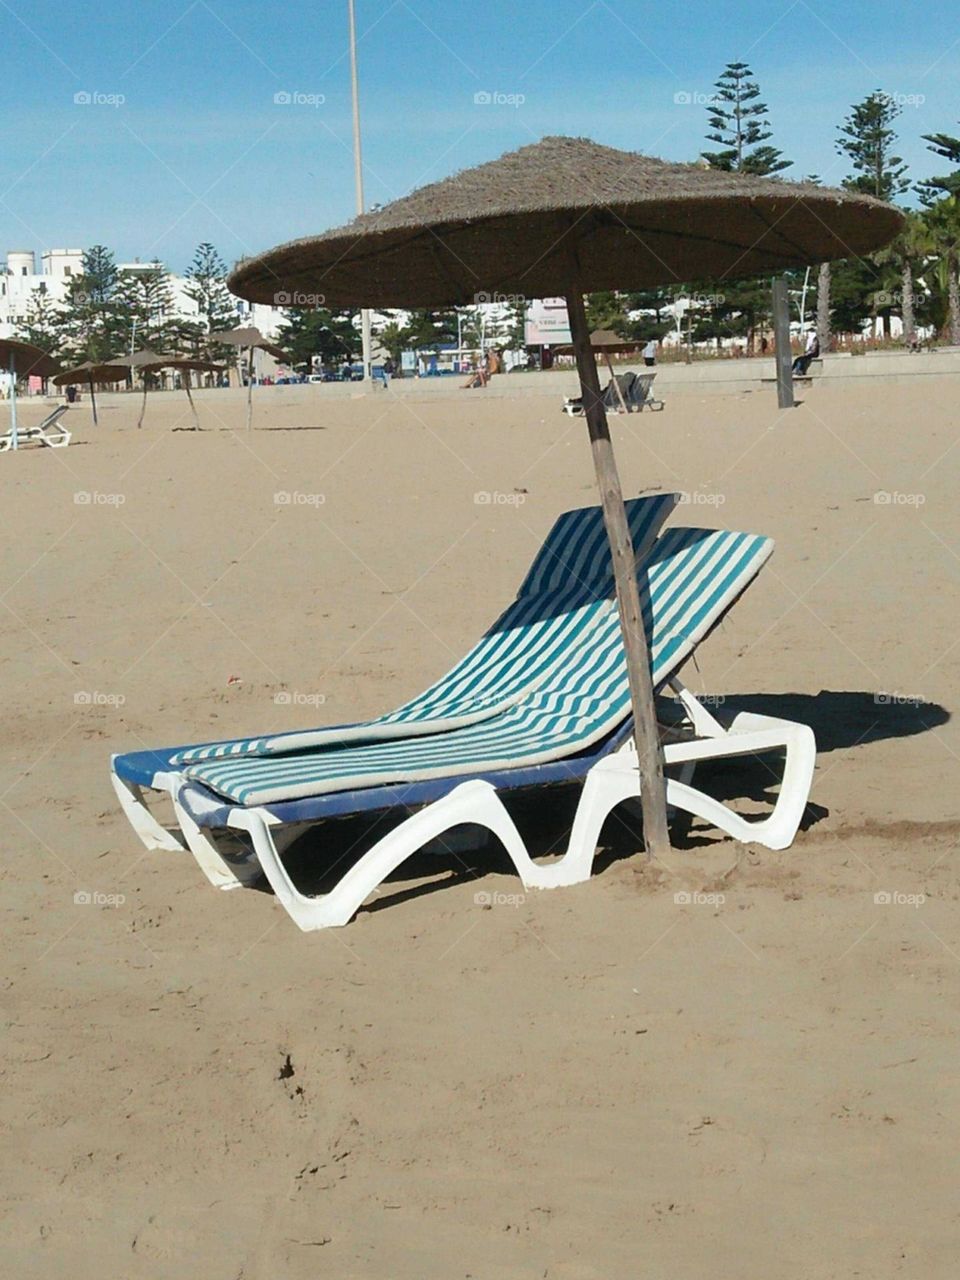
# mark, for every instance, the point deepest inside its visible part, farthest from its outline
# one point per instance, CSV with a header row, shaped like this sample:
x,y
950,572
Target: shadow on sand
x,y
840,720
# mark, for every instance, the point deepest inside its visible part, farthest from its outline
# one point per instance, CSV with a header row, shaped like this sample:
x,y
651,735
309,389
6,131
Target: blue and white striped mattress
x,y
580,695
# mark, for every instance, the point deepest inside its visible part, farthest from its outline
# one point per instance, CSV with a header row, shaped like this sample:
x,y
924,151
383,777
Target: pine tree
x,y
90,313
43,325
932,189
216,307
867,138
146,299
738,121
607,311
332,335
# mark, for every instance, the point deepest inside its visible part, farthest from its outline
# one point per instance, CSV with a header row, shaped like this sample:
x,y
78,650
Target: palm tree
x,y
943,226
913,245
823,307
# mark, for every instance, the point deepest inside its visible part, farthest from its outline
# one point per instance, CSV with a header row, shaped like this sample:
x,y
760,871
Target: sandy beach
x,y
586,1084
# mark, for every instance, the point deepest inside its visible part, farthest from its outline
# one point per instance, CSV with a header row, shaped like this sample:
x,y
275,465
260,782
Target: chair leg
x,y
153,835
220,873
471,803
750,734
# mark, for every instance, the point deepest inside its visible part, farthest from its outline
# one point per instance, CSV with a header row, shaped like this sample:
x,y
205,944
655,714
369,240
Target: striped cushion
x,y
569,586
692,578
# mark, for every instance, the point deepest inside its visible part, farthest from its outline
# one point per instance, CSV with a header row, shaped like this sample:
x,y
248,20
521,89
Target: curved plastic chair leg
x,y
750,733
471,803
220,873
153,835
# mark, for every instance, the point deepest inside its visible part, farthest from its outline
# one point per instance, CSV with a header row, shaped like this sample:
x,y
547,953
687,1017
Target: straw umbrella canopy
x,y
566,215
20,359
251,338
91,372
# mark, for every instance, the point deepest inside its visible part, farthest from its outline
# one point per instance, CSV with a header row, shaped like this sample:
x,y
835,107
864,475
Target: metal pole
x,y
358,174
653,793
13,404
781,335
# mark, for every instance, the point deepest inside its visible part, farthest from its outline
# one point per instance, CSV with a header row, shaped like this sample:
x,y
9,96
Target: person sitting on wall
x,y
802,363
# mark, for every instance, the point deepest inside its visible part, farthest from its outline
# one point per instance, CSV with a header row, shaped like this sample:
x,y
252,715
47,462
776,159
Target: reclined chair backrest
x,y
567,589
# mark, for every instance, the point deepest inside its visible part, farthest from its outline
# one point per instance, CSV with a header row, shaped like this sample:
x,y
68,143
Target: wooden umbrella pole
x,y
143,402
616,384
193,407
14,439
250,389
653,792
93,402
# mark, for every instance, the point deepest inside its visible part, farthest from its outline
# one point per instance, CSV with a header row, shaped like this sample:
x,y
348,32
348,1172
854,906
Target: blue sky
x,y
198,148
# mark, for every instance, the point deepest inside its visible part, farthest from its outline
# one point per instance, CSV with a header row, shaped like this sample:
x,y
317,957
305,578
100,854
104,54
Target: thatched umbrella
x,y
143,360
151,362
566,216
605,342
253,339
91,372
184,364
21,359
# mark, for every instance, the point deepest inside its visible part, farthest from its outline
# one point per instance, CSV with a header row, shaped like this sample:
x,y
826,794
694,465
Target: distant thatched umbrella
x,y
183,365
253,339
91,372
605,342
143,360
21,359
151,362
567,216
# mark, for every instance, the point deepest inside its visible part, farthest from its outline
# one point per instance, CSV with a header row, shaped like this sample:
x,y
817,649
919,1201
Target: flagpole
x,y
358,172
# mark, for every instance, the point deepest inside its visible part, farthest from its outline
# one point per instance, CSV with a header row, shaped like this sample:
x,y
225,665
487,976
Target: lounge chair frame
x,y
51,432
610,778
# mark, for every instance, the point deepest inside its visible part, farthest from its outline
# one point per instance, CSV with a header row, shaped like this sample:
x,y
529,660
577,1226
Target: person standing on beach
x,y
650,353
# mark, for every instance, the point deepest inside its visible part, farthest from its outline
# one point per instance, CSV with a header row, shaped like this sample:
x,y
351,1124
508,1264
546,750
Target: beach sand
x,y
588,1084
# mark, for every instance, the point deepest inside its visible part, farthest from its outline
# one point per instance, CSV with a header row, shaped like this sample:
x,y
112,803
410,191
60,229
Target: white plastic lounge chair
x,y
51,431
635,392
566,587
574,725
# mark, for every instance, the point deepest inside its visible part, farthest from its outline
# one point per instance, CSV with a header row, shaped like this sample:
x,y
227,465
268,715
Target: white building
x,y
20,279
